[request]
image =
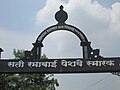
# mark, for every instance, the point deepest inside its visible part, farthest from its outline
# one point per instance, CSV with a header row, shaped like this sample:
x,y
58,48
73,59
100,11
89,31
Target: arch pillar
x,y
86,49
36,51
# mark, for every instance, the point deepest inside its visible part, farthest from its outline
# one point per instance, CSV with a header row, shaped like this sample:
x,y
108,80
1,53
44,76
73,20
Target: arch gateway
x,y
61,16
91,62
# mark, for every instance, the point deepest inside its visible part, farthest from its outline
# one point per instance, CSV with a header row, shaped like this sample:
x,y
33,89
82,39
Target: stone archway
x,y
61,16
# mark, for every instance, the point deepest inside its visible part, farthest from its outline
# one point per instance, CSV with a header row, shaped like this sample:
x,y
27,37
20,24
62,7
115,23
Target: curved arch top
x,y
66,27
61,16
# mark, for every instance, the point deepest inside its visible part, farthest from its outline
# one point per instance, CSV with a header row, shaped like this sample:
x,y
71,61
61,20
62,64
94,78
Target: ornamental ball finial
x,y
61,16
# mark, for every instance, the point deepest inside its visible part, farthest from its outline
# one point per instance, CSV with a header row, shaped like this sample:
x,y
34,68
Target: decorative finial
x,y
61,16
61,7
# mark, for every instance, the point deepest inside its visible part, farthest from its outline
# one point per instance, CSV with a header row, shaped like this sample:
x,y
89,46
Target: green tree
x,y
27,81
18,53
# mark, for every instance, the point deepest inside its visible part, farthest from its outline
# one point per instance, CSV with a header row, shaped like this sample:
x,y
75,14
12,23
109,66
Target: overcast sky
x,y
21,21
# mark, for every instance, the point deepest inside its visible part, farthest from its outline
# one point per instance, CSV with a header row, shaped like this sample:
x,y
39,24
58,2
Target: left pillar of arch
x,y
36,51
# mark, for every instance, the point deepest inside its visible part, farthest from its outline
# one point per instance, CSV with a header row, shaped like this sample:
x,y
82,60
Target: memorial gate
x,y
91,62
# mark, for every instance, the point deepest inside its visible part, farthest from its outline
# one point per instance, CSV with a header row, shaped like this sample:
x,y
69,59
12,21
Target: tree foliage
x,y
27,81
18,53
